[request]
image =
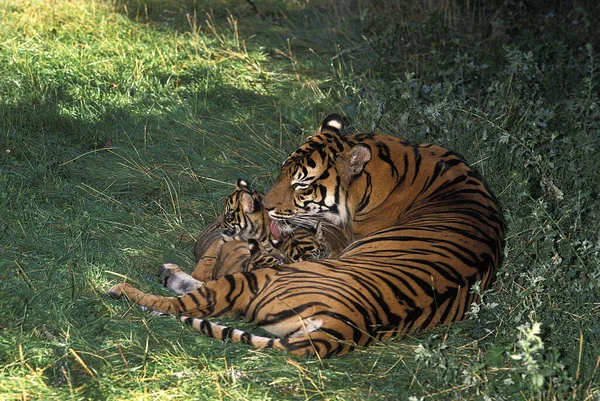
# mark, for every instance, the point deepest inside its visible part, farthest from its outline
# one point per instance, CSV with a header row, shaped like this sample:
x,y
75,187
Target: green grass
x,y
123,124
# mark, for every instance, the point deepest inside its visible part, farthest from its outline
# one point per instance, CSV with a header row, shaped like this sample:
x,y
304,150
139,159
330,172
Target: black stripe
x,y
226,333
366,198
417,164
246,338
384,155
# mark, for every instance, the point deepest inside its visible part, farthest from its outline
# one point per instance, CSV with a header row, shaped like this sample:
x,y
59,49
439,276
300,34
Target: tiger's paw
x,y
152,312
165,271
117,291
172,277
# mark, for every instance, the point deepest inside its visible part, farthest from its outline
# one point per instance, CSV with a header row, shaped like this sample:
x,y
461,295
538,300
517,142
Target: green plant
x,y
530,348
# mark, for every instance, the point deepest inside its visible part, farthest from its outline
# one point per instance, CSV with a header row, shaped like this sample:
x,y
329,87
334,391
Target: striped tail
x,y
316,343
223,333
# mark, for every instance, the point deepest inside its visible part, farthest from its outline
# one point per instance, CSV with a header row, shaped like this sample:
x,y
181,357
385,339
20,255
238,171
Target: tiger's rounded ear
x,y
275,242
253,246
332,122
360,155
249,204
241,183
353,162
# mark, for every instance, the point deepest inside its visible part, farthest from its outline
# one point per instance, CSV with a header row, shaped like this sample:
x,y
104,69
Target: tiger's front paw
x,y
117,291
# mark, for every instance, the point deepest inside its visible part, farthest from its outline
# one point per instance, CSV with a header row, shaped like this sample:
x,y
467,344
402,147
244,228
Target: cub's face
x,y
305,244
242,213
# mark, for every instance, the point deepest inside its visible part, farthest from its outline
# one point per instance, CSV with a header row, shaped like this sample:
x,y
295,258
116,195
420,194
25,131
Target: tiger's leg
x,y
144,300
205,268
172,277
211,299
312,331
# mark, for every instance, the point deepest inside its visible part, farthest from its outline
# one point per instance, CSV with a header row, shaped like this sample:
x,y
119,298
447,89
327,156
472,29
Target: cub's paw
x,y
117,291
165,271
172,277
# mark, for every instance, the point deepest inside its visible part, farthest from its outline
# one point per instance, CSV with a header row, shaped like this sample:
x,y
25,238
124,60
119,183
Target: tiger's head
x,y
243,215
315,180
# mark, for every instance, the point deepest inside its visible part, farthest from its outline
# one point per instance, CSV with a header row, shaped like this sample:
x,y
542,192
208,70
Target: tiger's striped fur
x,y
425,228
301,244
223,248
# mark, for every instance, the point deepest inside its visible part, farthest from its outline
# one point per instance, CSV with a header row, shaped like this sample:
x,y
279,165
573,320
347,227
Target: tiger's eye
x,y
300,186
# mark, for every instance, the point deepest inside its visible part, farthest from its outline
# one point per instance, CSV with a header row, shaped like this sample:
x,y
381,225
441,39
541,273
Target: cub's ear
x,y
249,204
242,184
253,246
332,122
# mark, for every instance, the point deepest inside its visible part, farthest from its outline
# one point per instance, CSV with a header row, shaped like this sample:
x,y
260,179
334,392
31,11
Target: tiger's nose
x,y
269,202
281,193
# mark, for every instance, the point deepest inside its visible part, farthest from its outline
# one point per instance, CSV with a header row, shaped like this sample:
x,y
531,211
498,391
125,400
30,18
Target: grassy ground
x,y
124,123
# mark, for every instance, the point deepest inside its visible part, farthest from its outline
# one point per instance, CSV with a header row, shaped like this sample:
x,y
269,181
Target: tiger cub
x,y
303,244
240,240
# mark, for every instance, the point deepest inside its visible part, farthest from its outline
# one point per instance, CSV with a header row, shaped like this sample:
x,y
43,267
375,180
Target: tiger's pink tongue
x,y
275,231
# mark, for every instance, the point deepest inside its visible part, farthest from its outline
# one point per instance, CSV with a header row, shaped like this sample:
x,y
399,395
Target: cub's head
x,y
305,244
314,180
243,213
260,258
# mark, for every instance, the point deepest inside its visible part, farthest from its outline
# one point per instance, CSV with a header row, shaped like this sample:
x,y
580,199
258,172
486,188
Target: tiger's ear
x,y
249,204
242,184
359,156
332,122
253,246
353,162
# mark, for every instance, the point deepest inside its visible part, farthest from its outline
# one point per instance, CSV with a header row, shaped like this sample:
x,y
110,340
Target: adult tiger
x,y
426,231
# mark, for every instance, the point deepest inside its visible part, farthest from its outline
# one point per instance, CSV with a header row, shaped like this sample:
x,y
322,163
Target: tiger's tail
x,y
315,343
